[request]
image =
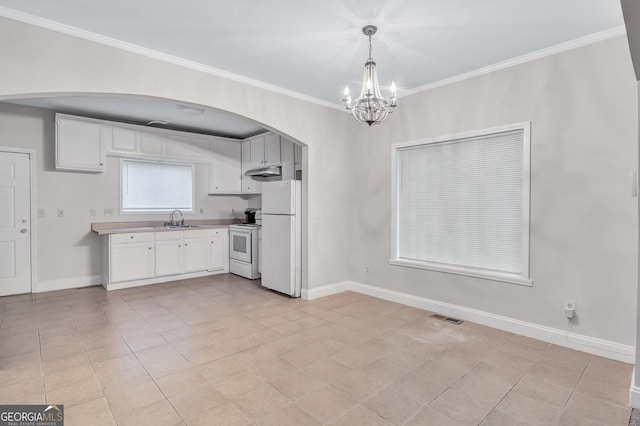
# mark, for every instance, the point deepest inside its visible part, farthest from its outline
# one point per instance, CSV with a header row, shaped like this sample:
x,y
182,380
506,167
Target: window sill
x,y
511,279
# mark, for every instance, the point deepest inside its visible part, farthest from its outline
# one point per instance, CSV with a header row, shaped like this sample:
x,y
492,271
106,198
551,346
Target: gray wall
x,y
582,106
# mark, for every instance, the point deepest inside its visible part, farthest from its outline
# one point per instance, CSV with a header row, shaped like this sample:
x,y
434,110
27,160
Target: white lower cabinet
x,y
152,257
219,250
169,253
131,257
196,251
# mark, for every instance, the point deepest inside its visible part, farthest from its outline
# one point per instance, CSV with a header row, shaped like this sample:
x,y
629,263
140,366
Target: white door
x,y
279,253
15,224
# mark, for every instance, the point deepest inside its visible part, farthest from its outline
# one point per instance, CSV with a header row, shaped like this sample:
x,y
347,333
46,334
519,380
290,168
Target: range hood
x,y
269,171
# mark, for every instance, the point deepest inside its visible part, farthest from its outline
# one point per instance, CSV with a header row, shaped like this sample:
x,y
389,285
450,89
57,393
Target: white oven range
x,y
243,250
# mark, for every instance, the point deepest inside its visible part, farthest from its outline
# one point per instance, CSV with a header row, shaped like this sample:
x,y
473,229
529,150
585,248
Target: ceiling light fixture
x,y
370,107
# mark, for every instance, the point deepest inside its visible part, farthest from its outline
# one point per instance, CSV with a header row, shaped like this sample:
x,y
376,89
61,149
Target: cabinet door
x,y
79,145
124,140
272,150
169,257
287,149
257,152
218,249
151,143
249,186
196,254
226,169
129,262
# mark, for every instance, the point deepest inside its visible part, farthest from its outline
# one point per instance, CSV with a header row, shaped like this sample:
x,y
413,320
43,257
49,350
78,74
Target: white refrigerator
x,y
281,236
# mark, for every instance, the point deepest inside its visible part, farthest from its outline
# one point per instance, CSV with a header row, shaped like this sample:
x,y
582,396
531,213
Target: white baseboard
x,y
325,290
66,283
634,392
591,345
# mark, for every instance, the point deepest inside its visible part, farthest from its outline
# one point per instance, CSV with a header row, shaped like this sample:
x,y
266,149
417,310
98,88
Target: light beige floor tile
x,y
357,386
115,365
565,358
500,418
392,406
604,390
462,407
383,371
598,410
607,370
222,415
428,416
124,380
134,399
157,353
291,415
167,366
545,390
525,408
95,412
196,399
76,393
328,370
219,369
261,401
180,382
417,388
360,416
204,355
114,350
69,377
326,403
160,413
521,350
296,384
238,383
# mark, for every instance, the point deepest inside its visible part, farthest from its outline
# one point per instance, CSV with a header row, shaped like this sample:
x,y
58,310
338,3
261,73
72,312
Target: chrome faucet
x,y
173,222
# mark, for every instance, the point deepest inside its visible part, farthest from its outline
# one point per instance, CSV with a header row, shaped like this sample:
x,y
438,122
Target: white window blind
x,y
463,203
148,187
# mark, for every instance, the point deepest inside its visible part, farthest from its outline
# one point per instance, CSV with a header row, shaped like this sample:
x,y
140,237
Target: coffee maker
x,y
250,215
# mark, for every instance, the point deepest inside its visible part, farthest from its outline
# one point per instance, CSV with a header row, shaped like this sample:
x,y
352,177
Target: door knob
x,y
23,231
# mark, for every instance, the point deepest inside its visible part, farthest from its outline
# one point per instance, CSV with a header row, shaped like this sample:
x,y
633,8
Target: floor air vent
x,y
455,321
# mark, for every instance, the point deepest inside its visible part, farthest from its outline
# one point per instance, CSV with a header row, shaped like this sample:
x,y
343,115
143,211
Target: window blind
x,y
461,203
150,186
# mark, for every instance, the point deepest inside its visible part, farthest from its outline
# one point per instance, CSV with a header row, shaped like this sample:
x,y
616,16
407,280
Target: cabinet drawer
x,y
136,237
196,234
218,232
168,235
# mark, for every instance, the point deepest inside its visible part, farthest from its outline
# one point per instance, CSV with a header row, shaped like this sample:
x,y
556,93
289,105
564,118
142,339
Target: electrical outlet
x,y
41,213
108,212
92,212
569,308
60,212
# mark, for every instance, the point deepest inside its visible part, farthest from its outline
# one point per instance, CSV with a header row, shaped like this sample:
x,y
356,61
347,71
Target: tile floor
x,y
222,351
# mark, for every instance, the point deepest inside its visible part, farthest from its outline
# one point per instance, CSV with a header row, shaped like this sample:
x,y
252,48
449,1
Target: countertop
x,y
106,228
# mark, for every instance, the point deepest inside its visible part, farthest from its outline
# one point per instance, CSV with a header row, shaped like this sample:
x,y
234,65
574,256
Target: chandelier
x,y
370,107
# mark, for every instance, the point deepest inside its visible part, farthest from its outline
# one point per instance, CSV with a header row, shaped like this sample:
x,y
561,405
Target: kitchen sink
x,y
183,226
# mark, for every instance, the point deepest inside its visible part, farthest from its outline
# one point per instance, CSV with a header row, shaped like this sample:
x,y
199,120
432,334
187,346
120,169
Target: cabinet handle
x,y
179,245
132,237
149,248
186,244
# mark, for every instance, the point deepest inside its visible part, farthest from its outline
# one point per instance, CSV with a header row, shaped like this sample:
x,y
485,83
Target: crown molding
x,y
558,48
154,54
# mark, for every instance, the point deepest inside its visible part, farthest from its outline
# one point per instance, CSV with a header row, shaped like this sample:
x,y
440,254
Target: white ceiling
x,y
313,48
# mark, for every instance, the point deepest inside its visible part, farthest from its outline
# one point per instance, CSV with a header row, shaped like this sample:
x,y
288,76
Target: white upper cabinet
x,y
265,151
125,140
80,144
225,171
249,186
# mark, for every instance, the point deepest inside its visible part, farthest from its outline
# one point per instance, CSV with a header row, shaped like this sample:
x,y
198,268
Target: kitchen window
x,y
150,187
461,204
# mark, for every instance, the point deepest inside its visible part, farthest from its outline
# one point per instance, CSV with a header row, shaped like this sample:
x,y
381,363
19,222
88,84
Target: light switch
x,y
92,212
108,212
41,213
